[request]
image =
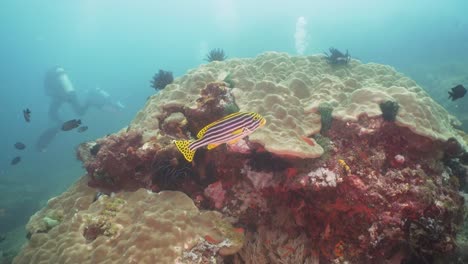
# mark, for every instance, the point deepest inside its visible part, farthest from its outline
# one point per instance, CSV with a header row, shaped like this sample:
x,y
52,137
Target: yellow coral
x,y
345,166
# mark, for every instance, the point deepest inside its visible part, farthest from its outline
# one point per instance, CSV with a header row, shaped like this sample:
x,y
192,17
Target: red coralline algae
x,y
377,190
216,194
356,204
122,163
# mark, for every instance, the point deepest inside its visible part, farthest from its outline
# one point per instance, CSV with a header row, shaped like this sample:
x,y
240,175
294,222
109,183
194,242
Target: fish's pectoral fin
x,y
212,146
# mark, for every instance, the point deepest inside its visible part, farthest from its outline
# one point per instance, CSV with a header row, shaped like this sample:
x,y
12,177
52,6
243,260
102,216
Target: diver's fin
x,y
212,146
183,147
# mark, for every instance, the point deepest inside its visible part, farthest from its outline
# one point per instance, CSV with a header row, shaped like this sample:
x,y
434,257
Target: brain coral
x,y
288,90
130,227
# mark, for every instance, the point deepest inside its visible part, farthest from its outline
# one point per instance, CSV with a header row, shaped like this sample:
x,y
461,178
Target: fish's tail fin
x,y
183,147
450,95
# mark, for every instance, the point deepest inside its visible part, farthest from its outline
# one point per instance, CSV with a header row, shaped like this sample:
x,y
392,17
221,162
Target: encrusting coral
x,y
361,191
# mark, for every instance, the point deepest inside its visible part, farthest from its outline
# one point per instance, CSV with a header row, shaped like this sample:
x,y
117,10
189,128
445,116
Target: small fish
x,y
71,124
15,160
97,195
228,129
20,146
457,92
82,129
95,149
27,115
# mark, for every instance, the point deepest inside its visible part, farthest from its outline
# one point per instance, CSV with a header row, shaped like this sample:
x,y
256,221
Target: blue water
x,y
119,45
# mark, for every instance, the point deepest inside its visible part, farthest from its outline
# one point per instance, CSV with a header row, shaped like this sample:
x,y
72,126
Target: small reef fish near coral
x,y
27,115
82,129
457,92
71,124
228,129
15,160
20,145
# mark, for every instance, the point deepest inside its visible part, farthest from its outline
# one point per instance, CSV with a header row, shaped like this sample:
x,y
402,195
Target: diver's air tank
x,y
64,81
57,83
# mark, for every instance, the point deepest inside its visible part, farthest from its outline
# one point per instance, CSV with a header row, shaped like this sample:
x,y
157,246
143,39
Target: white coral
x,y
323,177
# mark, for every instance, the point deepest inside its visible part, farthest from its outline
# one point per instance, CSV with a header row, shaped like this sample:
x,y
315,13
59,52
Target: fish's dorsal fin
x,y
202,131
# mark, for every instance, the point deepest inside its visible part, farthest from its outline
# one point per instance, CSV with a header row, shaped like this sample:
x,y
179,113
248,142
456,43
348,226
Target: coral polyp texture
x,y
288,91
130,227
333,177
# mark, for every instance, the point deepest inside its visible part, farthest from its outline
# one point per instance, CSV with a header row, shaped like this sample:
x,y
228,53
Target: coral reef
x,y
123,161
363,191
337,57
162,79
216,55
129,227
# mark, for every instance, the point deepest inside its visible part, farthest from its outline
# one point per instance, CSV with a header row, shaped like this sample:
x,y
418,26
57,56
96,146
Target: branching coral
x,y
162,79
215,55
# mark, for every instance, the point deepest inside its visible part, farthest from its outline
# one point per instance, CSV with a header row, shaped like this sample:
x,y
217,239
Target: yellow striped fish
x,y
228,129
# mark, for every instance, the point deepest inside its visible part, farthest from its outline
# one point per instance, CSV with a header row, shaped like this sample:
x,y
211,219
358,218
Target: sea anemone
x,y
215,55
162,79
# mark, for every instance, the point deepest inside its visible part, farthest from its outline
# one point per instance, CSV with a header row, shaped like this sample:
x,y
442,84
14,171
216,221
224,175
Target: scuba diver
x,y
59,88
102,100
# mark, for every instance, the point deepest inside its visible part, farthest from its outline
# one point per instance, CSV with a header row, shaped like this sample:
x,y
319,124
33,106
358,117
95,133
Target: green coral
x,y
325,110
50,222
229,232
325,143
52,219
229,81
389,110
231,107
103,224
